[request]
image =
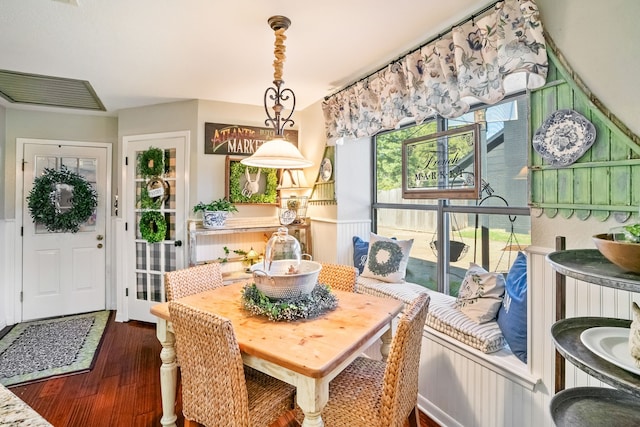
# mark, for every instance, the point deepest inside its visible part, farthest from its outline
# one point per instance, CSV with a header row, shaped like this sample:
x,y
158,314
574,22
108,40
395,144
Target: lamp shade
x,y
292,179
278,154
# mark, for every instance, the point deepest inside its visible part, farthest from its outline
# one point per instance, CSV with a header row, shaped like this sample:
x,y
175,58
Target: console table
x,y
302,232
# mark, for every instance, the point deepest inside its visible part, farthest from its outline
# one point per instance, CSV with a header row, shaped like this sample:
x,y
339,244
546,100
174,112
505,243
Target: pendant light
x,y
278,153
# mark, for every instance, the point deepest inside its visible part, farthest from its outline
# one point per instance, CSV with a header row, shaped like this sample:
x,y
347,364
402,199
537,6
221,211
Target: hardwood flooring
x,y
123,389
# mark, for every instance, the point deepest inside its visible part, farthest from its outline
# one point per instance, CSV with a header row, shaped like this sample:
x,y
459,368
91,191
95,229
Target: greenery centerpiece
x,y
214,214
320,300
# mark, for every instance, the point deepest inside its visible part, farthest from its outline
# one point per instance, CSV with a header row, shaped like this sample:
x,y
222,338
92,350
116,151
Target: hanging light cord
x,y
279,53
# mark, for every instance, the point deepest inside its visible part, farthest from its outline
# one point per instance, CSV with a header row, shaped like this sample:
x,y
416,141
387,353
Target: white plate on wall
x,y
612,344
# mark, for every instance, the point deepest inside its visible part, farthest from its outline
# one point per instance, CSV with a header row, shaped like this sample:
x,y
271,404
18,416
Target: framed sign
x,y
443,165
239,140
248,184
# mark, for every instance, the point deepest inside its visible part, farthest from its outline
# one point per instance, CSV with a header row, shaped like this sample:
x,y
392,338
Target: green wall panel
x,y
605,180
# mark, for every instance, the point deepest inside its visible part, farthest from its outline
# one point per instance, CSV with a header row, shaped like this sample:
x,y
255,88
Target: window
x,y
488,231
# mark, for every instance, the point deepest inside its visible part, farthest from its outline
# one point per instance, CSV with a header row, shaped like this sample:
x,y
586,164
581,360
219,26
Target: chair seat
x,y
359,388
269,398
371,393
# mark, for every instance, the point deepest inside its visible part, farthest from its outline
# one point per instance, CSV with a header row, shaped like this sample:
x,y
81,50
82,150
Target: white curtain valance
x,y
468,63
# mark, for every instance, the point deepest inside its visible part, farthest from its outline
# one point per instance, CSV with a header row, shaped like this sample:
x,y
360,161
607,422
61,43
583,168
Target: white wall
x,y
600,41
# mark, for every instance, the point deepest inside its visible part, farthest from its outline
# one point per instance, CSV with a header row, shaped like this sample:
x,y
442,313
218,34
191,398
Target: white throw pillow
x,y
387,258
480,294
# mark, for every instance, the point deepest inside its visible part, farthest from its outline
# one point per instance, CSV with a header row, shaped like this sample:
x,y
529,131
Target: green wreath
x,y
153,226
151,162
44,200
391,265
320,299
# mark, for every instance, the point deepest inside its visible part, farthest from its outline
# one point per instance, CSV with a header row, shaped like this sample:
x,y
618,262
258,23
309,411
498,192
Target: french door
x,y
162,195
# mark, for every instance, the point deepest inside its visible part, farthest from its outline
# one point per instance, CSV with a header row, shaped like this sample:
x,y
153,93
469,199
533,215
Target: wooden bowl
x,y
625,255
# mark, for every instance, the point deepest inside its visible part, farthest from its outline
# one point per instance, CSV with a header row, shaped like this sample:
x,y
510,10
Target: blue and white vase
x,y
214,219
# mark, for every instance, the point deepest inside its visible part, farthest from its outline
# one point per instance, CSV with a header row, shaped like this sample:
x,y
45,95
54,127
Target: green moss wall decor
x,y
237,190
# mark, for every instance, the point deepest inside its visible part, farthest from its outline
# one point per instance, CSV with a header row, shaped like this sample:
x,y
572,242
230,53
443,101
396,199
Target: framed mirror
x,y
443,165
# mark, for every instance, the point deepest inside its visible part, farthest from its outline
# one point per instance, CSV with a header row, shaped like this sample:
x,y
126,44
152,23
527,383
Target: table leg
x,y
312,396
386,344
168,373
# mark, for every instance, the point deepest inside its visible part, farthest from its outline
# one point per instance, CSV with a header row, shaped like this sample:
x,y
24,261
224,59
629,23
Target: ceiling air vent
x,y
23,88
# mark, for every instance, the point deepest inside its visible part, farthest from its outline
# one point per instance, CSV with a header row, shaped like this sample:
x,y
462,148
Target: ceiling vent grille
x,y
23,88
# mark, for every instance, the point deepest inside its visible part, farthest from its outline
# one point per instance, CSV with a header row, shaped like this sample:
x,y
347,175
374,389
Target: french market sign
x,y
238,139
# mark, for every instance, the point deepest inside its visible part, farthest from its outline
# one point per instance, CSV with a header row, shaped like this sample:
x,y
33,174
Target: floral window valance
x,y
471,62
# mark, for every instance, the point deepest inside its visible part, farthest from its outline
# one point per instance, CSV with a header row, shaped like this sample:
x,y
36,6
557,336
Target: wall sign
x,y
237,139
443,165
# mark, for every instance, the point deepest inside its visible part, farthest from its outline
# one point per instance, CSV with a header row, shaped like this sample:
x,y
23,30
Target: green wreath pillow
x,y
49,190
387,259
153,226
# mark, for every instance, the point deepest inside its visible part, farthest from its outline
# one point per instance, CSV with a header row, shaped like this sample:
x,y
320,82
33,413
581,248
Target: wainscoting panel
x,y
333,240
457,389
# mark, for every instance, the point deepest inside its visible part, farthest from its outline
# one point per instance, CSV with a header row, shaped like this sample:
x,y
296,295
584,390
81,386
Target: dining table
x,y
306,353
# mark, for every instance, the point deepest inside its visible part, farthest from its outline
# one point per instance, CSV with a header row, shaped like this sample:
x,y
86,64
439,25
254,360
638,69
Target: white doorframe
x,y
122,314
13,286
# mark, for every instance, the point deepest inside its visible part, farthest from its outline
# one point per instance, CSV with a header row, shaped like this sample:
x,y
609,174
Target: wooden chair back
x,y
192,280
338,276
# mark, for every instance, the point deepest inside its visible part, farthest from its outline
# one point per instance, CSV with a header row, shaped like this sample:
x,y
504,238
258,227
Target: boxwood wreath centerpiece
x,y
320,300
44,200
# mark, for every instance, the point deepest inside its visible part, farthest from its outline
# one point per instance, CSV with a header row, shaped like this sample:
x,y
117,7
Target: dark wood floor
x,y
123,389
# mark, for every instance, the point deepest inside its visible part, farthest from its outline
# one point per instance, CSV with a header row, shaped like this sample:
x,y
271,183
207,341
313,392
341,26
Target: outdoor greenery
x,y
389,154
497,235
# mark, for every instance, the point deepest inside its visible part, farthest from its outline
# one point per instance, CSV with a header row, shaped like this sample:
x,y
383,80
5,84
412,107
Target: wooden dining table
x,y
306,353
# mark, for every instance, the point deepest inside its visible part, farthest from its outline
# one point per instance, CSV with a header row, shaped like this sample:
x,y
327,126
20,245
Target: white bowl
x,y
275,281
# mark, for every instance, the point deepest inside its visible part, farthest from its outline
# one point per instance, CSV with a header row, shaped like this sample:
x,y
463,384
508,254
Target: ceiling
x,y
144,52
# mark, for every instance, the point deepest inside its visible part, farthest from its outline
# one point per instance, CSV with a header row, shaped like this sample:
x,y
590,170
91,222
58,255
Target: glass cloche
x,y
283,274
280,247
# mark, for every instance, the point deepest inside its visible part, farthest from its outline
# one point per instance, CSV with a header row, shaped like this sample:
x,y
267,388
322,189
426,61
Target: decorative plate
x,y
325,169
287,216
611,344
564,137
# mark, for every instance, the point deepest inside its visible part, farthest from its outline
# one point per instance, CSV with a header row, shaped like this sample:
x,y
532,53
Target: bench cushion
x,y
443,316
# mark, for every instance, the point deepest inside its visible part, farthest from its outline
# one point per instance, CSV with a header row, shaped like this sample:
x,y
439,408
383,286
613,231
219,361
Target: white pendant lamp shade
x,y
278,154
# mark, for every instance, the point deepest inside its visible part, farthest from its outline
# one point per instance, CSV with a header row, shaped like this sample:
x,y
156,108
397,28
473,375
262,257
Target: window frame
x,y
444,207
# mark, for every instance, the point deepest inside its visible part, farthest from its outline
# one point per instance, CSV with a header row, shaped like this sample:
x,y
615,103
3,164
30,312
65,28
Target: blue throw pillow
x,y
360,251
512,316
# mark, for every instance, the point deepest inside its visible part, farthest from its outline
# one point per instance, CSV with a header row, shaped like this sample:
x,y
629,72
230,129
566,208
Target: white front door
x,y
63,272
162,195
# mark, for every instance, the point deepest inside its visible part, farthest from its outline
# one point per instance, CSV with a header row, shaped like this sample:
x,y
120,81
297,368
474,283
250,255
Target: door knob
x,y
99,245
100,237
177,243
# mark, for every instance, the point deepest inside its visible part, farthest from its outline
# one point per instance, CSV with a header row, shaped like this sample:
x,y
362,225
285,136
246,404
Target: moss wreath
x,y
151,162
42,200
153,226
391,265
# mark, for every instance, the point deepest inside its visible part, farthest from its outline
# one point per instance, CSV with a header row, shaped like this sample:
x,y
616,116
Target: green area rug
x,y
40,349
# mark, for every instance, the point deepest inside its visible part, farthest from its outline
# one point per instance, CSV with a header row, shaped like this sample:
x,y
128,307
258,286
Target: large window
x,y
449,234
